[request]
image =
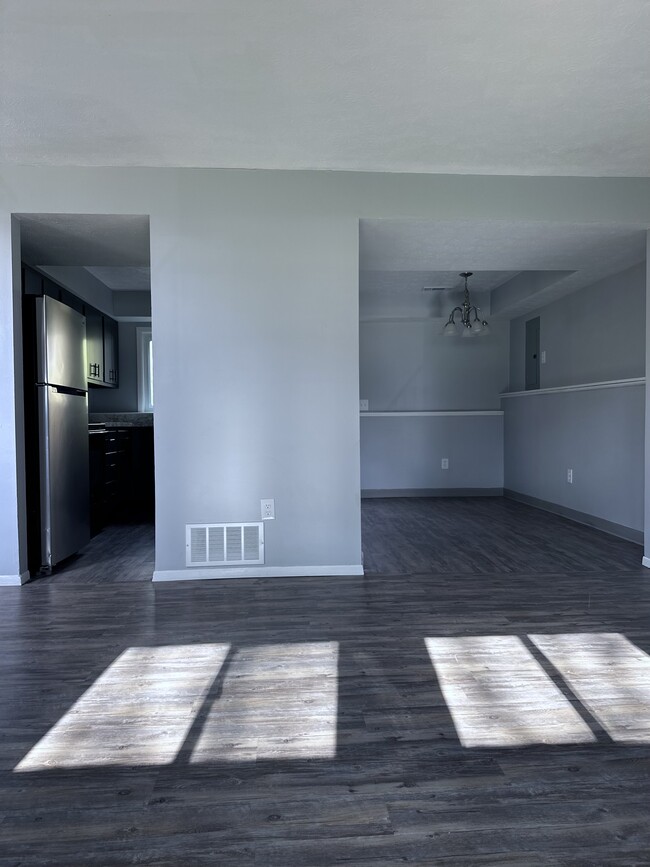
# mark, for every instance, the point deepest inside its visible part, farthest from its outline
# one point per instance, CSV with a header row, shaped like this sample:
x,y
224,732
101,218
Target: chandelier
x,y
469,322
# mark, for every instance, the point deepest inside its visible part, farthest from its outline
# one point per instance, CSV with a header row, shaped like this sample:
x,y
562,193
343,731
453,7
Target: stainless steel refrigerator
x,y
62,398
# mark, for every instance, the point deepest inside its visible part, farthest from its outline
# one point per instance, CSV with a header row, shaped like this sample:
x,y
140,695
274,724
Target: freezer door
x,y
64,461
61,344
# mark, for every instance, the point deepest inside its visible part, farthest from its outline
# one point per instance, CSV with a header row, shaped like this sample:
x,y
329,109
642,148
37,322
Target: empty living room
x,y
323,433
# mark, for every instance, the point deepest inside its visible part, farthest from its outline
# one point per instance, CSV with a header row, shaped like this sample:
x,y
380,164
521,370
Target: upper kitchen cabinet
x,y
95,344
101,340
111,376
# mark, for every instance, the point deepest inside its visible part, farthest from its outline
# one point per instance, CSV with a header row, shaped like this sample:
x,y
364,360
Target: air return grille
x,y
224,544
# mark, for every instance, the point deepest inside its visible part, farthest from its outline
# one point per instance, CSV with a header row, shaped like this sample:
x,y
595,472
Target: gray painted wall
x,y
127,303
83,284
647,410
400,453
125,397
407,365
593,335
598,434
255,312
13,534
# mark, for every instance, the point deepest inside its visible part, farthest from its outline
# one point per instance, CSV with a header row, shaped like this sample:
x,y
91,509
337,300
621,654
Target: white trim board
x,y
586,386
646,562
432,413
192,574
14,580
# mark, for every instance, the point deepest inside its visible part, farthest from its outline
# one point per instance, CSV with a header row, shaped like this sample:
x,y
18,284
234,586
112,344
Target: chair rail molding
x,y
585,386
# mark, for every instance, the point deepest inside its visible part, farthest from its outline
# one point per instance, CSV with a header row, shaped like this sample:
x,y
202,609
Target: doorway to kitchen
x,y
87,340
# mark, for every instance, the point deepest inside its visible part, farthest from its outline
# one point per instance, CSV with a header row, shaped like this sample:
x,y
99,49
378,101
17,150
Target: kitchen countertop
x,y
122,419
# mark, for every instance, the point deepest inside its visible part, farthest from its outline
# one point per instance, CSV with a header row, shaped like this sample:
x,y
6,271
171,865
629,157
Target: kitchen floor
x,y
120,553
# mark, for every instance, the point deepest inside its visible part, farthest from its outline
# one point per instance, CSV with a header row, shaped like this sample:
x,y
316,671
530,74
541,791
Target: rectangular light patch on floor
x,y
138,712
610,675
278,701
499,696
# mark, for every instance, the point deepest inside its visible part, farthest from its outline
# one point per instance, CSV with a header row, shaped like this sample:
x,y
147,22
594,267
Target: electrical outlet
x,y
444,464
569,476
543,358
268,509
363,406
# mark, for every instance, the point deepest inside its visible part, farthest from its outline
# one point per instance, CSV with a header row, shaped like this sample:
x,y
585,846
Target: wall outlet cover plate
x,y
267,508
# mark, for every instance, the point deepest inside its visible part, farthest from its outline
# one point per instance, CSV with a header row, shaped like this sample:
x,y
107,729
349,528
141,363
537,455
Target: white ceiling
x,y
125,279
390,294
114,248
479,86
398,257
476,245
111,240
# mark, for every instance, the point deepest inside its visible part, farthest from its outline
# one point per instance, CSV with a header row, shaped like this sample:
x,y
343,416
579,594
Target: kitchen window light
x,y
145,369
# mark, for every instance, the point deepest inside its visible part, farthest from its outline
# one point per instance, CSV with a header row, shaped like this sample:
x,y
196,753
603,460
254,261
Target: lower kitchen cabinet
x,y
121,476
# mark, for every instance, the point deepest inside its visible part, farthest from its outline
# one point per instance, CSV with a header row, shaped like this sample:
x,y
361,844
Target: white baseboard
x,y
256,572
14,580
646,562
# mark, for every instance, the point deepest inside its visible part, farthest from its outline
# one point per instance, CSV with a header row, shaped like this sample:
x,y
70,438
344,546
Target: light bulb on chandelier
x,y
469,323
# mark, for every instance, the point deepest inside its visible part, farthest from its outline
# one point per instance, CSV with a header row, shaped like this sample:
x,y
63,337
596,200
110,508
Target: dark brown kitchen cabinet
x,y
110,352
95,345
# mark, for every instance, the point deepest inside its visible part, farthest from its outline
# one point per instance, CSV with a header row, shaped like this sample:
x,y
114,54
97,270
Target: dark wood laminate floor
x,y
483,535
119,553
438,718
464,535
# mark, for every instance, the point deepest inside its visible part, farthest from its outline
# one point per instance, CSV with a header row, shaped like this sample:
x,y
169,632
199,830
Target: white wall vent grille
x,y
224,544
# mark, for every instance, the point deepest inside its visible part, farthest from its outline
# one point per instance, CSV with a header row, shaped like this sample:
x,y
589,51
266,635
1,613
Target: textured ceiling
x,y
398,257
114,248
110,240
121,279
480,86
400,293
479,245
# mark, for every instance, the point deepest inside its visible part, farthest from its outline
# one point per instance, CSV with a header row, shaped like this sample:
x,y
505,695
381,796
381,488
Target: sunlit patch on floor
x,y
278,701
611,677
138,712
500,696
